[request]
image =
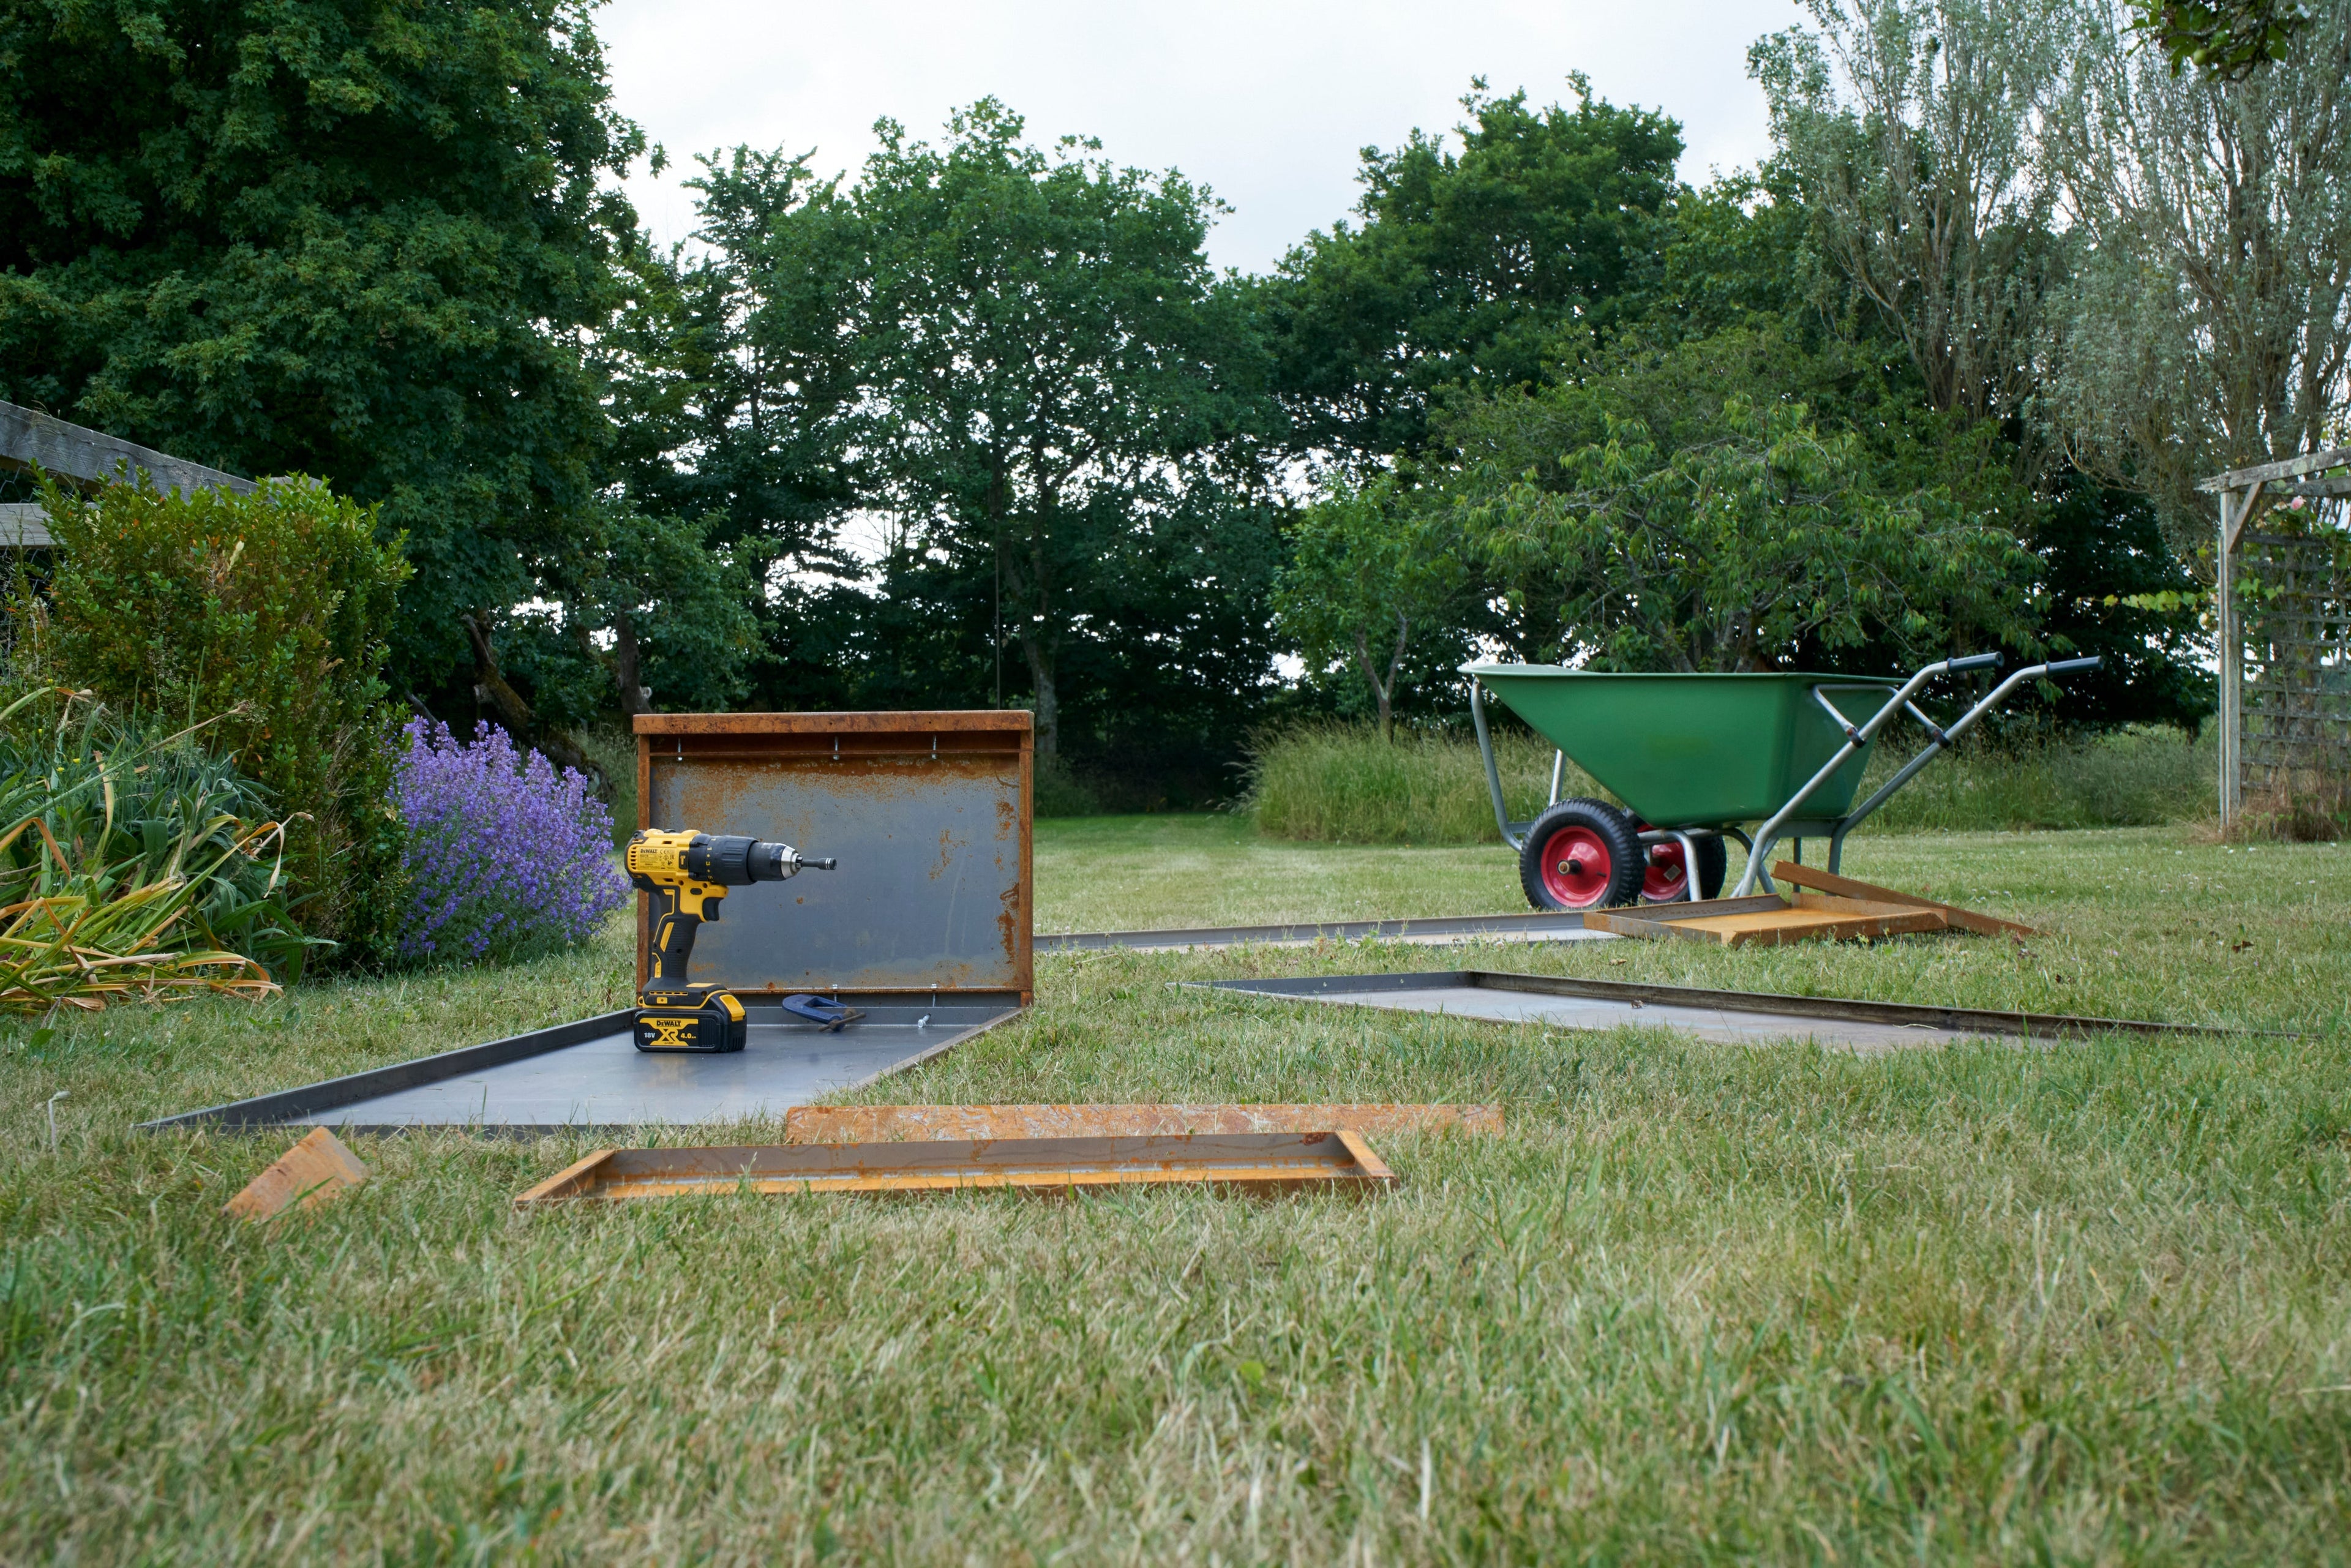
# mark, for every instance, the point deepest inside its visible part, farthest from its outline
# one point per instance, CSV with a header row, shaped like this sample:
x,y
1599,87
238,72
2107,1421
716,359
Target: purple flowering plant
x,y
506,857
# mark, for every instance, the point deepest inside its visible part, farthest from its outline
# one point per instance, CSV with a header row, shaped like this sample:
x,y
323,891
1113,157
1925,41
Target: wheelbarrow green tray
x,y
1690,749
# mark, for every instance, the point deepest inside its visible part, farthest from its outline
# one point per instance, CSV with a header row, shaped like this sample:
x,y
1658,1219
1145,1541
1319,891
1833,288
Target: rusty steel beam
x,y
1252,1162
880,1123
317,1169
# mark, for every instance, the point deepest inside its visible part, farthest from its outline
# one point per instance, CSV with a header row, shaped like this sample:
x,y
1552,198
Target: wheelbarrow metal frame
x,y
1784,823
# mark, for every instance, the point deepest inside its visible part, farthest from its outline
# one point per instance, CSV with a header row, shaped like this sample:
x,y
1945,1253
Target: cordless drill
x,y
688,875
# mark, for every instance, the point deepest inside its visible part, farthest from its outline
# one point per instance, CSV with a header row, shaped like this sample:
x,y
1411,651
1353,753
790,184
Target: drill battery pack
x,y
701,1019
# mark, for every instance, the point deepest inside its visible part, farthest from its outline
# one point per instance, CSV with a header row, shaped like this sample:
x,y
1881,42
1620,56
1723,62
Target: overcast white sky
x,y
1268,103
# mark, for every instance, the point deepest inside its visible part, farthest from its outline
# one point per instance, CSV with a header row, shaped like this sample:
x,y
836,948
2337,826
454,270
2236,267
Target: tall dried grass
x,y
132,867
1335,783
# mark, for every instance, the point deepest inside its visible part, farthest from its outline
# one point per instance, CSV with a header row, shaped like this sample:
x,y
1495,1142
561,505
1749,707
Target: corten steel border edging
x,y
959,733
1253,1162
286,1107
274,1109
1005,721
1977,1021
1566,925
917,1124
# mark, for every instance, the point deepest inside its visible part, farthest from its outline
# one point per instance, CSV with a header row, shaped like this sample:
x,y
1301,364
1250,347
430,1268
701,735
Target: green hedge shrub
x,y
271,610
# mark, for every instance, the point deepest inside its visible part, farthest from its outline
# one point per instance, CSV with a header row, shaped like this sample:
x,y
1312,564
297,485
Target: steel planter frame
x,y
1247,1161
928,814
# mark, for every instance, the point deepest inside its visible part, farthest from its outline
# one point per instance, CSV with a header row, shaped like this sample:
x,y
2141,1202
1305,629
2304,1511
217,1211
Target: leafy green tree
x,y
2207,321
1367,575
2230,39
1057,398
266,617
735,371
1733,555
1908,130
651,614
1469,266
353,238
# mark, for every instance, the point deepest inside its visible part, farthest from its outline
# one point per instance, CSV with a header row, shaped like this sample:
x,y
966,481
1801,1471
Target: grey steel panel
x,y
1736,1017
1544,925
1589,1012
589,1074
929,889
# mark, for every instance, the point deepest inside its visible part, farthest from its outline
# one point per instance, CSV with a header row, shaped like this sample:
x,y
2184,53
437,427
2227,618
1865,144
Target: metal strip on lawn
x,y
1247,1161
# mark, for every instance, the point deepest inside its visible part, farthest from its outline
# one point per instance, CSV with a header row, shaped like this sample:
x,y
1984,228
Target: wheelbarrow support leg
x,y
1494,773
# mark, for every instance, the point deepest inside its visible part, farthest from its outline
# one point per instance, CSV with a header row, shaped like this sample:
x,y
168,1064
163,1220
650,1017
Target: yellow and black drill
x,y
688,875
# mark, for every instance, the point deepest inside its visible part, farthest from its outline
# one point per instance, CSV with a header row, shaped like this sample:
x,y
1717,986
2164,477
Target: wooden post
x,y
2243,492
2229,648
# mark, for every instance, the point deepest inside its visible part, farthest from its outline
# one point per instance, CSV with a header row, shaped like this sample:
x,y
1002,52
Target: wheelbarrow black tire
x,y
1582,855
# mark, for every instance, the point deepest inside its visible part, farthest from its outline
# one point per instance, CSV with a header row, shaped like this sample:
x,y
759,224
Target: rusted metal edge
x,y
1962,1019
317,1169
880,1124
1812,917
289,1107
1545,925
1828,882
1016,720
1665,914
1250,1160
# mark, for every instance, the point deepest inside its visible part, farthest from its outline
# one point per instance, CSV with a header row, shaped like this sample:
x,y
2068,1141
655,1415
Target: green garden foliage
x,y
1372,590
351,238
2230,38
267,614
1471,266
1057,384
134,865
1055,401
1734,554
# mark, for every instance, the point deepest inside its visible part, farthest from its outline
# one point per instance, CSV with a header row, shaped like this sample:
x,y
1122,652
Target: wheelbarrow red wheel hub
x,y
1666,878
1576,868
1581,854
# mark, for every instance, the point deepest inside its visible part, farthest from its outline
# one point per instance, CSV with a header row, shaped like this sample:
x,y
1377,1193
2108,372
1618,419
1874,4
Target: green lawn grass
x,y
2091,1303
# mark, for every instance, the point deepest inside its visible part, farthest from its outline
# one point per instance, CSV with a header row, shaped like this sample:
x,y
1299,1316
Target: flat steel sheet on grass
x,y
589,1075
1730,1017
1434,931
1258,1162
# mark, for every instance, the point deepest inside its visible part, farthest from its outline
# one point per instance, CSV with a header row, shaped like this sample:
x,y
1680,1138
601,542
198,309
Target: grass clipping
x,y
85,930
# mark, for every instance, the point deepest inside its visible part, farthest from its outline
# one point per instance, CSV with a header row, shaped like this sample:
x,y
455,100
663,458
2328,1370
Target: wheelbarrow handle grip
x,y
1974,662
2066,666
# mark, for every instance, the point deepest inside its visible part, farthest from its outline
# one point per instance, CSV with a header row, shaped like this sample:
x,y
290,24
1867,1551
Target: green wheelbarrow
x,y
1694,757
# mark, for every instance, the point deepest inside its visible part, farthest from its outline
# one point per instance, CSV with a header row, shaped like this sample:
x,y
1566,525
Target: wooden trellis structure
x,y
2284,598
89,458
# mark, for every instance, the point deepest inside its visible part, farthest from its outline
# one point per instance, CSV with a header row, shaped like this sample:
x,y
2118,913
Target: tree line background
x,y
979,423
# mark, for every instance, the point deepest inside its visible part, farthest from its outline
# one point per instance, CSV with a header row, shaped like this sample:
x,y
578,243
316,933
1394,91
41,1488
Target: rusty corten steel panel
x,y
1257,1162
880,1124
928,814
